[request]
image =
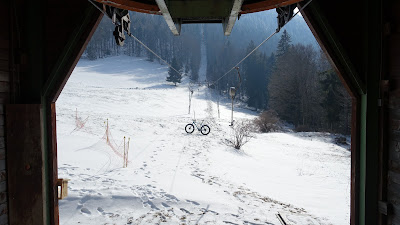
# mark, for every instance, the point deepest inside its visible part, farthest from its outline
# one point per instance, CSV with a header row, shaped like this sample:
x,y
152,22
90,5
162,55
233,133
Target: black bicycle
x,y
204,129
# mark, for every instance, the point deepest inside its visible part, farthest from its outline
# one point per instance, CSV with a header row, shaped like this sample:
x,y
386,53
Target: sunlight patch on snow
x,y
173,177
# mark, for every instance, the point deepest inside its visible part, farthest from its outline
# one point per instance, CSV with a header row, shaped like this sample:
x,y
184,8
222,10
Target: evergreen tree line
x,y
295,81
183,50
305,90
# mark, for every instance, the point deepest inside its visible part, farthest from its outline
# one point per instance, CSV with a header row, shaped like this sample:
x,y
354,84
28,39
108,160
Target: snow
x,y
178,178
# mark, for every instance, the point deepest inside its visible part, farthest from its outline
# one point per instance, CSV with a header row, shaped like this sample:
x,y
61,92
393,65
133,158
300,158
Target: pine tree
x,y
283,45
332,97
255,74
173,76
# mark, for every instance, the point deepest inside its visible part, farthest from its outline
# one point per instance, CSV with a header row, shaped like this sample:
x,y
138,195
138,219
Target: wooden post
x,y
218,106
232,114
124,154
190,101
108,141
127,151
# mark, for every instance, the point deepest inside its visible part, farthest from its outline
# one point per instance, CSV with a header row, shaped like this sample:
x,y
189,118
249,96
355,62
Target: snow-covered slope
x,y
178,178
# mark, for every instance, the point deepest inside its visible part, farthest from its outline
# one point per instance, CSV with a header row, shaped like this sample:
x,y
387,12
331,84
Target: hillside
x,y
178,178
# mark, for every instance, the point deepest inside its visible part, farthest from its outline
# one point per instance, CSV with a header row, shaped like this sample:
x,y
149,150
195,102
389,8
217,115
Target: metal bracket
x,y
62,186
284,15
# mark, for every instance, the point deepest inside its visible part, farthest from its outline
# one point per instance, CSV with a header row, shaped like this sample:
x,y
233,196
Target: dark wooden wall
x,y
5,68
40,44
36,63
392,108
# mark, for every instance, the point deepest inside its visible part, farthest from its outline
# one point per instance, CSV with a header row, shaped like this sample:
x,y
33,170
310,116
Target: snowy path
x,y
177,178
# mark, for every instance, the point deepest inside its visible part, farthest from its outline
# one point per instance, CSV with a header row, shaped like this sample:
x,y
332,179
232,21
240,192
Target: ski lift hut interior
x,y
41,42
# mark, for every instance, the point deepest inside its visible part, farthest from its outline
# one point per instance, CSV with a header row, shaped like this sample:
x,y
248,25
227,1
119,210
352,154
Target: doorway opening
x,y
118,105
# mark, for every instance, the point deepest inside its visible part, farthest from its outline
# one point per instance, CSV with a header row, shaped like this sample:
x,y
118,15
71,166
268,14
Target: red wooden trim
x,y
266,5
133,6
53,166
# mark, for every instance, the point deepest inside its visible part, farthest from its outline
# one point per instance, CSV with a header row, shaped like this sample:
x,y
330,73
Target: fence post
x,y
124,154
108,141
127,151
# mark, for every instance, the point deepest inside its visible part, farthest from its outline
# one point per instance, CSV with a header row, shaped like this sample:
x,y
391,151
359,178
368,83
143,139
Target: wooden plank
x,y
394,124
4,75
395,219
385,208
3,175
4,43
2,142
3,209
3,186
4,54
393,103
52,119
394,155
394,114
3,197
394,135
25,164
4,87
2,131
4,97
4,219
2,163
4,66
258,6
394,56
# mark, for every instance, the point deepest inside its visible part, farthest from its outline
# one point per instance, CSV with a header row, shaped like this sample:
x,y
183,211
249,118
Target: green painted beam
x,y
373,68
363,166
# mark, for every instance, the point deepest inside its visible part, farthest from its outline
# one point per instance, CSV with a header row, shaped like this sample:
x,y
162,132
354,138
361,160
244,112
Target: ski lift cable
x,y
269,37
144,45
169,65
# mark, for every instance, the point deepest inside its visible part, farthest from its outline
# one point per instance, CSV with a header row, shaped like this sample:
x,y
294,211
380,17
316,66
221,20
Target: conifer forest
x,y
289,75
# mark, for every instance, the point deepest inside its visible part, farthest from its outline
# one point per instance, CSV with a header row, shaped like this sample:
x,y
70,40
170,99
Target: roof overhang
x,y
178,12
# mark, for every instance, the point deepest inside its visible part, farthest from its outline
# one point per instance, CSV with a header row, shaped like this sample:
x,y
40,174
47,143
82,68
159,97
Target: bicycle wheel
x,y
205,129
189,128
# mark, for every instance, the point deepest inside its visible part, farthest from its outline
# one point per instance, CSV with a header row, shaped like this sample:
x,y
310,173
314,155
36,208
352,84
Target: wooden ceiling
x,y
150,6
178,12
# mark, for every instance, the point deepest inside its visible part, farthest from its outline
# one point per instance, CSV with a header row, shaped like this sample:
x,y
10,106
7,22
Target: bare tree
x,y
268,121
241,134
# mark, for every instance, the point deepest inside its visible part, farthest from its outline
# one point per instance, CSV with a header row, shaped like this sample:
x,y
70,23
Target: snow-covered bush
x,y
268,121
241,134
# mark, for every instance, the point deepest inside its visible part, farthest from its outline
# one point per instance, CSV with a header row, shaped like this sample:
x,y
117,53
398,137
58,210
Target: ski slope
x,y
178,178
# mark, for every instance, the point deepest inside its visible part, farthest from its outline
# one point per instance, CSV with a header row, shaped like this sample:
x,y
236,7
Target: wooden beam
x,y
266,5
335,52
230,21
174,26
25,164
71,53
132,6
